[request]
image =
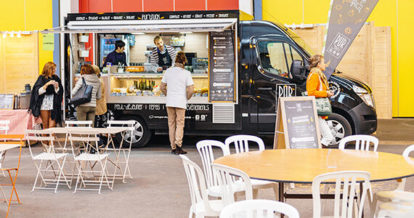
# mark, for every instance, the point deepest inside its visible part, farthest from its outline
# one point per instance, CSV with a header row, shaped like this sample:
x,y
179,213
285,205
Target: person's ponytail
x,y
315,60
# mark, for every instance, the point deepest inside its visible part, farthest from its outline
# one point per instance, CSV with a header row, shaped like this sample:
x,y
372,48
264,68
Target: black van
x,y
261,46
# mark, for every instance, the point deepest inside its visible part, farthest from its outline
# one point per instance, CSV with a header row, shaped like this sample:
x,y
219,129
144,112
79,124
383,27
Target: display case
x,y
144,87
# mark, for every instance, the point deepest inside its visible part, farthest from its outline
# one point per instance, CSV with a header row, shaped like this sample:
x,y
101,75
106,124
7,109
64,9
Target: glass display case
x,y
136,85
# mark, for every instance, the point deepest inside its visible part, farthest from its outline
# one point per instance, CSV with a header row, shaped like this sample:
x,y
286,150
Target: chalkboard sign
x,y
222,65
298,121
6,101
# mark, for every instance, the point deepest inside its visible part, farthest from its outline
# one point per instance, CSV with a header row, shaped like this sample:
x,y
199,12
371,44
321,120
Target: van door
x,y
274,60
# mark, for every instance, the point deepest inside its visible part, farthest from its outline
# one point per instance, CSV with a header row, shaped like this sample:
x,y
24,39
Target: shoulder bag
x,y
84,94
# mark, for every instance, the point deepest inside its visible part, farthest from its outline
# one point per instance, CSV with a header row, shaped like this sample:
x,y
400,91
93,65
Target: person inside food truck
x,y
163,55
117,56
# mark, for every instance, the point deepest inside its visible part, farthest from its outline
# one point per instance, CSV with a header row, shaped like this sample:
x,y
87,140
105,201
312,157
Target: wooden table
x,y
302,165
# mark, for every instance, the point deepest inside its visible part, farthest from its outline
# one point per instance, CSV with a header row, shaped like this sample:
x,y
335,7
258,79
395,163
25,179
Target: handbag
x,y
84,94
323,106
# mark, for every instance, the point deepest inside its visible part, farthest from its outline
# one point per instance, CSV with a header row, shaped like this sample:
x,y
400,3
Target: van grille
x,y
223,113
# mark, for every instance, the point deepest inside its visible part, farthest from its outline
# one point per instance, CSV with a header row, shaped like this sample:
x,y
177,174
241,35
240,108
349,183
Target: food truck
x,y
239,69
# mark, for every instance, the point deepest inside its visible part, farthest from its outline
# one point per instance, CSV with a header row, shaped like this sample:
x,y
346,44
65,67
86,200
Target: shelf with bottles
x,y
135,87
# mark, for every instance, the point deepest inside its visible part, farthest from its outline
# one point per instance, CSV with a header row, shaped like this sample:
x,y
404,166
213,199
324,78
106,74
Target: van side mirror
x,y
298,71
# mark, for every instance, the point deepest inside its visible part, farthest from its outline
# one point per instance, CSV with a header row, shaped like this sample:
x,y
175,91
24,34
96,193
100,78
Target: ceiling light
x,y
19,34
4,34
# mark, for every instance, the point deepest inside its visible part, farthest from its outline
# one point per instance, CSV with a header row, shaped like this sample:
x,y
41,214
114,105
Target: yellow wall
x,y
38,17
384,14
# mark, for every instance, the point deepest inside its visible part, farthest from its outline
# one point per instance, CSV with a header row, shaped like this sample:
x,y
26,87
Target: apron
x,y
164,60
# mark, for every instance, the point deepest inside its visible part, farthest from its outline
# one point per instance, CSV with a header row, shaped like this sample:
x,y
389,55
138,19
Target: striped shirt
x,y
171,52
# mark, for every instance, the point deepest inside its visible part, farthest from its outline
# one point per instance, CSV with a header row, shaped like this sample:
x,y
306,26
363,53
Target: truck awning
x,y
146,26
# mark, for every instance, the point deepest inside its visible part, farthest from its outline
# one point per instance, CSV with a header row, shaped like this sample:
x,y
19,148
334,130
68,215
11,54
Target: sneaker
x,y
180,150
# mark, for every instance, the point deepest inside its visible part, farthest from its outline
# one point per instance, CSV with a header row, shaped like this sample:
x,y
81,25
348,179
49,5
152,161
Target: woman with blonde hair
x,y
317,85
47,96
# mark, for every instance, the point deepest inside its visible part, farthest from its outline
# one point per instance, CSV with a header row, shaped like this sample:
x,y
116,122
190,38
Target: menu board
x,y
6,101
297,119
222,65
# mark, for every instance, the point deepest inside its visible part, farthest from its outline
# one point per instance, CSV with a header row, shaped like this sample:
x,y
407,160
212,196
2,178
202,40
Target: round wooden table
x,y
302,165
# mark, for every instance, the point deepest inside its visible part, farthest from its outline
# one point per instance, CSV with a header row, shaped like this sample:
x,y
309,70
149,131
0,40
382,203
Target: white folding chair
x,y
49,164
242,144
201,206
4,128
258,209
232,180
127,137
79,123
85,158
345,190
362,142
205,149
398,194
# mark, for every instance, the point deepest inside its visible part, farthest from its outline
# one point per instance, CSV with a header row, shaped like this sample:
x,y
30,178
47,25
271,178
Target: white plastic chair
x,y
79,123
205,149
125,151
46,161
201,206
230,181
241,144
85,158
4,128
396,209
398,194
258,209
362,142
345,185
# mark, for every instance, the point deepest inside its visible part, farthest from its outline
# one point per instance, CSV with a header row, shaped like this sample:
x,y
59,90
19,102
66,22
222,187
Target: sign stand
x,y
297,120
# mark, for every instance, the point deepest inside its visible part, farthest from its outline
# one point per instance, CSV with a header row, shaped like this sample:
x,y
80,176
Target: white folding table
x,y
104,131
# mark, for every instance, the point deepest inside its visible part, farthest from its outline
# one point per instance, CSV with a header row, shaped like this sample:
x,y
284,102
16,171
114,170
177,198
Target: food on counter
x,y
135,69
200,92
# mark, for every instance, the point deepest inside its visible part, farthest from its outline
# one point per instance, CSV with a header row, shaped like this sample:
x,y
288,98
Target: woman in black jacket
x,y
47,95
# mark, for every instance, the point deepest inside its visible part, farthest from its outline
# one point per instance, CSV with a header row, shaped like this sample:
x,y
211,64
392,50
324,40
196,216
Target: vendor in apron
x,y
162,55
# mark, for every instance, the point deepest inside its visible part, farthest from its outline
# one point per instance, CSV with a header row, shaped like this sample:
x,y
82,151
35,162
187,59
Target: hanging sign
x,y
346,20
48,42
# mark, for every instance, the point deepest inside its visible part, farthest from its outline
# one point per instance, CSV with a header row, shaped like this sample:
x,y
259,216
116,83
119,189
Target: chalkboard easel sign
x,y
297,120
6,101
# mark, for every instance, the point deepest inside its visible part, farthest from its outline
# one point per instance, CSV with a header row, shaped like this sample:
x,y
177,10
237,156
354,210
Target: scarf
x,y
321,75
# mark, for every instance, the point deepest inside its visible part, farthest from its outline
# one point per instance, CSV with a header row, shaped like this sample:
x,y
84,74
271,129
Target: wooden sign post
x,y
297,120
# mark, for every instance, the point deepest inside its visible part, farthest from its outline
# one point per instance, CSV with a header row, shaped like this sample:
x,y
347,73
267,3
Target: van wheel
x,y
339,126
139,137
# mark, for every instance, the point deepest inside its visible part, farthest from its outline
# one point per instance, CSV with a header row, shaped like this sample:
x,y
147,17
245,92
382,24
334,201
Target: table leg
x,y
281,192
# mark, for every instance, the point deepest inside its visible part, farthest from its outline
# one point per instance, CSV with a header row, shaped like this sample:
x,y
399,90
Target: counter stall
x,y
208,38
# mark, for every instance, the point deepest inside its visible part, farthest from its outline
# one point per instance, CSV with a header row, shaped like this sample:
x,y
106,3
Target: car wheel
x,y
139,137
339,126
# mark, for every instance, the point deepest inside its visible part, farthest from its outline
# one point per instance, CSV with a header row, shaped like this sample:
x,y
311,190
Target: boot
x,y
180,150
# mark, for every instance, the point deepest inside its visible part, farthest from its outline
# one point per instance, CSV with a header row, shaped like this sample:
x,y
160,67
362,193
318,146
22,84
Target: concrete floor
x,y
159,187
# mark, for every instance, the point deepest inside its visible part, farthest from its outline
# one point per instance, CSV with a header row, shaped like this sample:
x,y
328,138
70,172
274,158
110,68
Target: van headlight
x,y
364,95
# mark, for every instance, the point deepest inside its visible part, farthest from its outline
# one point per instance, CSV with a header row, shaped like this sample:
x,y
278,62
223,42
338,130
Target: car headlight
x,y
364,95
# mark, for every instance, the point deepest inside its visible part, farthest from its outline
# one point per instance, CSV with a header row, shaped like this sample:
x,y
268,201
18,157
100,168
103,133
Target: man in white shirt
x,y
177,84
